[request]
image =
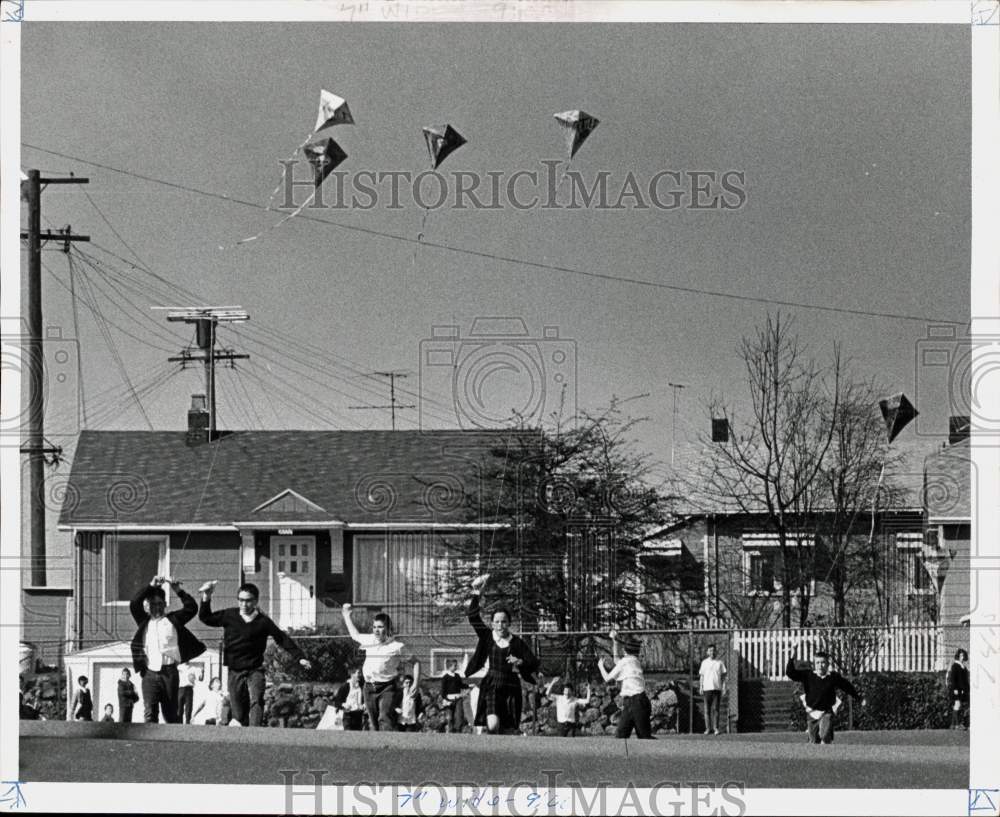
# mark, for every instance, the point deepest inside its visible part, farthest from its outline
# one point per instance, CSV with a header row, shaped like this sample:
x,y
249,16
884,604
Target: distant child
x,y
350,698
567,708
410,712
109,714
636,708
712,685
211,706
453,689
83,703
127,696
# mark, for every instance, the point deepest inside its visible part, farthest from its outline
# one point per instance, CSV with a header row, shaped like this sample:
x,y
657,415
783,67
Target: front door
x,y
293,577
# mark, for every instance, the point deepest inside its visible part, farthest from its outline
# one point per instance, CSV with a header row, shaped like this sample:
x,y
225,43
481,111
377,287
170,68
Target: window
x,y
404,568
130,562
911,549
762,564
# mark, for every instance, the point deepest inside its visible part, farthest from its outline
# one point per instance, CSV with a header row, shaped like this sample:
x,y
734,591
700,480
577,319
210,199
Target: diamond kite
x,y
442,141
324,156
579,125
897,412
333,110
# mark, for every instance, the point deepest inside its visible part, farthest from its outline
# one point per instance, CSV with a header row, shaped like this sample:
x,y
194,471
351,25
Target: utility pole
x,y
676,387
206,320
34,445
393,405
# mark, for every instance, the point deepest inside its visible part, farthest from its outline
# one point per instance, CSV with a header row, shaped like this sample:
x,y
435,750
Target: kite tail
x,y
284,169
277,224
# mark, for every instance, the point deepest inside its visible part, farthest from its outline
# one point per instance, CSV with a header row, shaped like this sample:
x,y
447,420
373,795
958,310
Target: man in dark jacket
x,y
161,642
820,698
245,630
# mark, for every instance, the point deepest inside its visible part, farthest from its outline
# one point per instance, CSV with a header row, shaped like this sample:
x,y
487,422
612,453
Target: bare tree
x,y
776,450
575,507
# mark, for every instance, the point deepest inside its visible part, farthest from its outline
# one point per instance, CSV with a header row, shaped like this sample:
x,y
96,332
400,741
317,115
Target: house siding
x,y
193,559
44,622
956,593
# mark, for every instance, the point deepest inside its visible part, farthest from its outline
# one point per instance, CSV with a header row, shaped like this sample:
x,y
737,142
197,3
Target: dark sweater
x,y
821,690
451,685
244,642
958,682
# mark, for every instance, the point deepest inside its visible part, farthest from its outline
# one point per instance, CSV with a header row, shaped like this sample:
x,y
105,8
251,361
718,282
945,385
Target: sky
x,y
853,141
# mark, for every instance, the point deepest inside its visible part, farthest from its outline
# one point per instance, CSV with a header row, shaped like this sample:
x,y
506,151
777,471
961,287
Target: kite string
x,y
420,238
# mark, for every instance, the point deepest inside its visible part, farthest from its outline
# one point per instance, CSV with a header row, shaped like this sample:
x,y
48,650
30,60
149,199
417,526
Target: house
x,y
903,566
313,518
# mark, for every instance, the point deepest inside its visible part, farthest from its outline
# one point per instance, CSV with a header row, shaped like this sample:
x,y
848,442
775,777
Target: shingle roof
x,y
155,478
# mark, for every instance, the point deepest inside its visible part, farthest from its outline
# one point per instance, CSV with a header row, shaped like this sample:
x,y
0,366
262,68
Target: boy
x,y
382,652
127,696
636,708
712,684
820,698
567,708
83,704
410,711
109,714
452,691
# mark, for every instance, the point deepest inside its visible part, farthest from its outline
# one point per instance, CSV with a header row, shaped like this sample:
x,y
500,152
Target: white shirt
x,y
184,671
567,708
712,674
212,707
628,670
409,707
380,659
354,702
161,643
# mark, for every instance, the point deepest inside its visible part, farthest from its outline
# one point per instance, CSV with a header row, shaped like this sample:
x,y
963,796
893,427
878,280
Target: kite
x,y
897,412
323,155
333,110
579,125
442,141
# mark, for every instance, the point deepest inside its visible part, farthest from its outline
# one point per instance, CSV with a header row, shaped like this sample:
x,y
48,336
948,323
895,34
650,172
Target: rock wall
x,y
301,705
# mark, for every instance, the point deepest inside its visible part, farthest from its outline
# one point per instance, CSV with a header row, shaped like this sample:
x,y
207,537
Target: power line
x,y
510,259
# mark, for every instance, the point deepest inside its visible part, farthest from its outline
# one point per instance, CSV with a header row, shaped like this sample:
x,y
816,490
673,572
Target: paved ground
x,y
72,752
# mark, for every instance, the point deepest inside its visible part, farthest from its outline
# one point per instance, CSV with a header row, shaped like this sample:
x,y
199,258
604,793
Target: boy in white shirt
x,y
712,685
636,709
382,653
411,706
568,708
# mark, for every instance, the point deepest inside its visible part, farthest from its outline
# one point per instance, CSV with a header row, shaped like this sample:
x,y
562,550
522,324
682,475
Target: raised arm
x,y
586,701
205,614
190,606
416,672
548,689
475,618
349,623
791,671
135,605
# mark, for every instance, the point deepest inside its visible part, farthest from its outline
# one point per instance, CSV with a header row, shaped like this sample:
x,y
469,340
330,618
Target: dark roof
x,y
155,478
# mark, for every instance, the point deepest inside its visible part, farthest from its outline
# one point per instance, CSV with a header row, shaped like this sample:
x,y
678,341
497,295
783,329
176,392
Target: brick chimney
x,y
197,430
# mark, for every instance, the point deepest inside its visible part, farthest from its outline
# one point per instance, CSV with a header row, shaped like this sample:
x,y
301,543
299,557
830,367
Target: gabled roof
x,y
155,478
948,483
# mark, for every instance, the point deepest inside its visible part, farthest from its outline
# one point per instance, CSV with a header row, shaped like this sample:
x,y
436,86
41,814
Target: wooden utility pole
x,y
393,404
34,359
206,320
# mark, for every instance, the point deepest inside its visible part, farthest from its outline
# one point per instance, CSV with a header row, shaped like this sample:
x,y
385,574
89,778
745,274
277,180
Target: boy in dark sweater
x,y
820,696
245,632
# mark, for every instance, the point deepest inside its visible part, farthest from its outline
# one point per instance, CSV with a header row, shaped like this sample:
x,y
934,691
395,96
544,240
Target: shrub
x,y
330,657
895,700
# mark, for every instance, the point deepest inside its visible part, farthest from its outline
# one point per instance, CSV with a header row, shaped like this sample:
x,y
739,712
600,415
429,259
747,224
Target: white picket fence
x,y
907,648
